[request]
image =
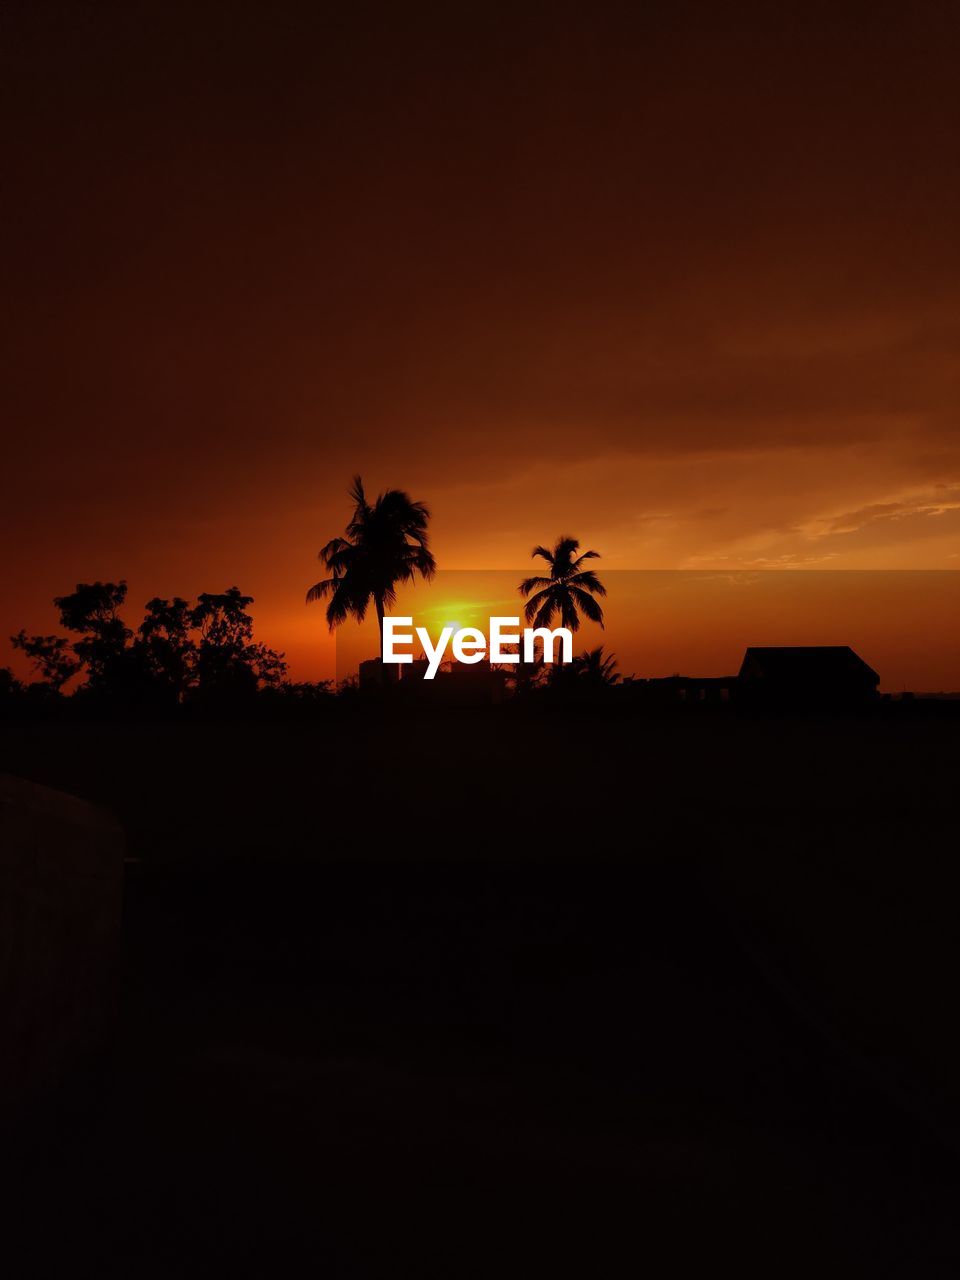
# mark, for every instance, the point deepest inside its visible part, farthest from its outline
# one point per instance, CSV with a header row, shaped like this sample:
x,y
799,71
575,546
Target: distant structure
x,y
810,675
796,677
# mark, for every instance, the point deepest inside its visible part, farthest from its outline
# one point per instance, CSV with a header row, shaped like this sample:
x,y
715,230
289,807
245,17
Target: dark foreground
x,y
493,996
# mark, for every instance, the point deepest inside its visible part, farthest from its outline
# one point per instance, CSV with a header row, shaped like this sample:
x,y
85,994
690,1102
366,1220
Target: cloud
x,y
882,518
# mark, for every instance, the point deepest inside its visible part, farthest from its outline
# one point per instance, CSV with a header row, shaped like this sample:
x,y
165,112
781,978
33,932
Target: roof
x,y
807,664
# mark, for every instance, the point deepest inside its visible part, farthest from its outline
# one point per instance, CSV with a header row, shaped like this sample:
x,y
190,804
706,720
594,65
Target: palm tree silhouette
x,y
384,545
569,590
598,671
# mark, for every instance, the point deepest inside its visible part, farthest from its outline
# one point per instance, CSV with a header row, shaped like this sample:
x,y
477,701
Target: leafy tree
x,y
177,649
166,646
569,590
52,657
222,619
267,665
93,610
227,661
385,544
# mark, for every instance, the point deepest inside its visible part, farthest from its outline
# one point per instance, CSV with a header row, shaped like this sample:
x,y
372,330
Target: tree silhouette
x,y
228,663
569,590
93,610
222,619
385,544
52,657
596,670
179,653
166,647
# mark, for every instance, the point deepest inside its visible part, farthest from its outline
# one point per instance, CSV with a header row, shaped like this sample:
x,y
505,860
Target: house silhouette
x,y
810,674
796,676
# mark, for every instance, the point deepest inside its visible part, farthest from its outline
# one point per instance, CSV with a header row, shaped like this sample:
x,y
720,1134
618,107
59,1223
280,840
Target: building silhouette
x,y
797,677
809,675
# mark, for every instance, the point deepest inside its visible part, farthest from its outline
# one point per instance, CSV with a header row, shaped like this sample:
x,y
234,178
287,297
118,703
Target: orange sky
x,y
679,279
906,624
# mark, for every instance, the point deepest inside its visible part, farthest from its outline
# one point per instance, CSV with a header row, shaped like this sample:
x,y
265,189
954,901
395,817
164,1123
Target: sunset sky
x,y
680,279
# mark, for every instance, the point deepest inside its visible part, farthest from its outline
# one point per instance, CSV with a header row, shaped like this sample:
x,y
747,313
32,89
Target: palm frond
x,y
398,507
344,603
338,551
568,611
420,559
589,581
585,602
565,549
533,584
540,608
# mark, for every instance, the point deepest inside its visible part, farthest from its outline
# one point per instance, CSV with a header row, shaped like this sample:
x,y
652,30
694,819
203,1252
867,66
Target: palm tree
x,y
598,671
569,590
384,544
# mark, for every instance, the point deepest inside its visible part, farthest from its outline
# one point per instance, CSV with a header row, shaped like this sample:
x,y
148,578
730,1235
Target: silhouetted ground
x,y
506,995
